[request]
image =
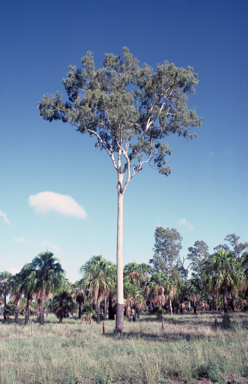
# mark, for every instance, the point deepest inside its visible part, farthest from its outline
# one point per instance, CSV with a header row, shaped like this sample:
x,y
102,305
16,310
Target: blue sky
x,y
205,197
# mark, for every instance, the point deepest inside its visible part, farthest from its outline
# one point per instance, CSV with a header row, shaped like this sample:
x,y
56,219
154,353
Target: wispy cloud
x,y
13,270
45,202
49,245
4,215
185,223
22,240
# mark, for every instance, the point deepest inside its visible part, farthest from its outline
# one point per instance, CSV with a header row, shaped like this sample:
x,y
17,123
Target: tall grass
x,y
187,348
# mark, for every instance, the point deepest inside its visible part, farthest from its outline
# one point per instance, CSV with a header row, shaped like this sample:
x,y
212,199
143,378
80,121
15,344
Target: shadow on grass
x,y
165,337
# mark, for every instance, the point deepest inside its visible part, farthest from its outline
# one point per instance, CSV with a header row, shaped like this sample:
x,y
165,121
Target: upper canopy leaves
x,y
128,108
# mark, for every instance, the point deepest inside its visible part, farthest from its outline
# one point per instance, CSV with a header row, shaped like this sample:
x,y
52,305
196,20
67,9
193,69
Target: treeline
x,y
218,281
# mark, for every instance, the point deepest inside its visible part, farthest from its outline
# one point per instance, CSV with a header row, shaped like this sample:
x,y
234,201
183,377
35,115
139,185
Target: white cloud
x,y
21,240
184,222
49,245
45,202
13,270
4,215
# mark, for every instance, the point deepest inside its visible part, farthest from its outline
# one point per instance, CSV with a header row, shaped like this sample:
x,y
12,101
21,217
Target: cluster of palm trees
x,y
37,281
220,281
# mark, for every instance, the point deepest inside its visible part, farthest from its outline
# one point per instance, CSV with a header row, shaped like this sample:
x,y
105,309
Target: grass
x,y
187,349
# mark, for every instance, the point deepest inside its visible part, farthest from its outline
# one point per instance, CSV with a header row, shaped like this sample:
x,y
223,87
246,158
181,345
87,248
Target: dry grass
x,y
188,348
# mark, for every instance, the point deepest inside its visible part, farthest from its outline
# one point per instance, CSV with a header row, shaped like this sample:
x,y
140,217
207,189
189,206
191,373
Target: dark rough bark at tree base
x,y
111,311
119,318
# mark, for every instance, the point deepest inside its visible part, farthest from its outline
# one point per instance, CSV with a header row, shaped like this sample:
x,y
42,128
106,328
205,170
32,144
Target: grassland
x,y
188,349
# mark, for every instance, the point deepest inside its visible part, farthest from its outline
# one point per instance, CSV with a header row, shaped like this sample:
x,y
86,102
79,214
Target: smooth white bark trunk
x,y
119,255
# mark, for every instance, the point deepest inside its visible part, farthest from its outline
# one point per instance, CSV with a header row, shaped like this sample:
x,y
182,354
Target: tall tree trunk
x,y
98,309
119,258
225,300
42,310
38,308
29,299
105,306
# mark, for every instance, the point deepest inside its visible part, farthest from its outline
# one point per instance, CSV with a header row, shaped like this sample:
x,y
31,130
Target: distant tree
x,y
78,296
197,254
166,250
222,246
237,247
130,111
4,288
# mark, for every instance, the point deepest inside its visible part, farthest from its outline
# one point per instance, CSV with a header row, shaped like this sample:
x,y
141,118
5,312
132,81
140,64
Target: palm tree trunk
x,y
17,309
98,304
27,309
105,307
42,310
4,311
194,305
171,307
79,310
134,315
119,257
225,300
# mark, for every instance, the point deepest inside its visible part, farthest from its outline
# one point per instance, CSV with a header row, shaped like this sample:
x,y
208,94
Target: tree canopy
x,y
166,249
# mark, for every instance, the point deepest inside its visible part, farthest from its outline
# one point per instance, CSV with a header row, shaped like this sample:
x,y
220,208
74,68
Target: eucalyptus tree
x,y
97,279
168,243
223,273
237,247
4,288
50,278
130,111
197,255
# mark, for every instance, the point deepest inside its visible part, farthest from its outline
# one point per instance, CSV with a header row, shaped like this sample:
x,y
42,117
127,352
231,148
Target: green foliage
x,y
61,305
89,310
166,250
127,107
209,370
197,255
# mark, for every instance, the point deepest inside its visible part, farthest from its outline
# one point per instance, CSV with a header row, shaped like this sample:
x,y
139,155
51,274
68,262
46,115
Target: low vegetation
x,y
187,349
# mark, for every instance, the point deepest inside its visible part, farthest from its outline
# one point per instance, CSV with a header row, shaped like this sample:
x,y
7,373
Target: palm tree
x,y
156,290
97,280
28,275
4,288
223,273
50,278
78,296
15,283
62,304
